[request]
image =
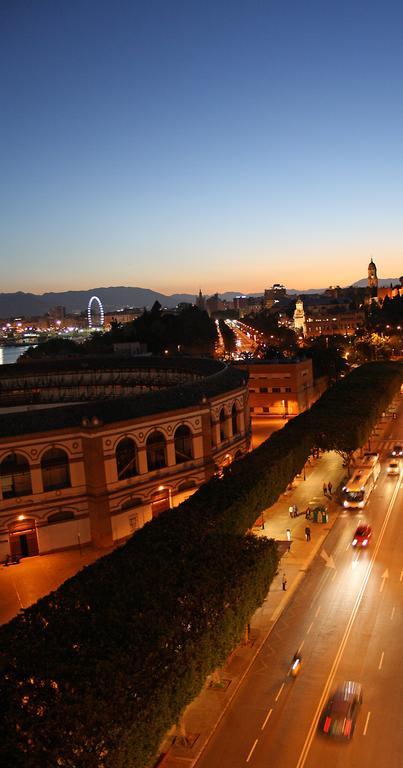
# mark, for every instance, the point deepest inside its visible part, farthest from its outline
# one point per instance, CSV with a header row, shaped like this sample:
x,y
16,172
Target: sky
x,y
186,144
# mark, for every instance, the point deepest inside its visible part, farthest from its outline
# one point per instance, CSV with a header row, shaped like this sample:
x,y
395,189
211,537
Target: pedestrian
x,y
308,533
284,583
329,488
308,513
288,534
295,510
291,510
324,489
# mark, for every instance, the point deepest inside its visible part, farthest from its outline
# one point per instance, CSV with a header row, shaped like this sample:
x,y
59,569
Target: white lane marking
x,y
279,693
267,717
300,647
309,628
384,576
381,660
401,572
317,611
251,752
347,547
364,733
326,690
393,612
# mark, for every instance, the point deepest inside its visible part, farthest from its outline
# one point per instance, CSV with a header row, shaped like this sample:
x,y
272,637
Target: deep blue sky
x,y
226,145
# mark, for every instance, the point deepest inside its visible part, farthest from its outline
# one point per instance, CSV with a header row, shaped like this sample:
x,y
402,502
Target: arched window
x,y
156,451
222,425
131,503
126,464
15,476
62,515
234,418
55,469
183,444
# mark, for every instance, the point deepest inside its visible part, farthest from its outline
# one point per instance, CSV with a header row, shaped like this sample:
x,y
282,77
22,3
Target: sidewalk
x,y
202,717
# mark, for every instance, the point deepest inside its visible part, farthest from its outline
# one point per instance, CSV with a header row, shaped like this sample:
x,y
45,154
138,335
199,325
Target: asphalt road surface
x,y
347,620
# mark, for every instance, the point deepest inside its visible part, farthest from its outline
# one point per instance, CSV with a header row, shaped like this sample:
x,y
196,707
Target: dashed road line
x,y
381,660
309,628
317,611
251,752
393,613
364,733
279,693
266,720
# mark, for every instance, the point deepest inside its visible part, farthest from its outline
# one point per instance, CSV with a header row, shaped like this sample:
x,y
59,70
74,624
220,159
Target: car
x,y
397,450
340,714
362,536
393,467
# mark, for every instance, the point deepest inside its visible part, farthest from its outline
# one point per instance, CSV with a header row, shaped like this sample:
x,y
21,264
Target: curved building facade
x,y
92,450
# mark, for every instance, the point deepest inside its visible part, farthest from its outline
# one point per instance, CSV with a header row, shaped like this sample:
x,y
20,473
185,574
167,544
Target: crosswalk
x,y
384,447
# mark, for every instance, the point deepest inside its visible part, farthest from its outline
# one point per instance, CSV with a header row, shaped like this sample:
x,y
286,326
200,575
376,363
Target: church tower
x,y
372,276
299,317
200,301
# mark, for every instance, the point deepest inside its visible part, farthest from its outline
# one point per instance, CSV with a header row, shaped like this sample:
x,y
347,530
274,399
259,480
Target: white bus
x,y
360,485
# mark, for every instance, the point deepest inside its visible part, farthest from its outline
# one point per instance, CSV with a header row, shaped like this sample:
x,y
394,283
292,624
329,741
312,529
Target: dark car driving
x,y
340,714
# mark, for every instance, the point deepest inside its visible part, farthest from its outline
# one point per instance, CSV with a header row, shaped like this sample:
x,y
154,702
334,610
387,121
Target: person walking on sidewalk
x,y
329,488
308,533
284,583
324,489
289,538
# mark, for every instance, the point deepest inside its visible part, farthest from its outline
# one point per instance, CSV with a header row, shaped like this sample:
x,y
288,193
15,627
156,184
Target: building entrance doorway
x,y
23,538
160,502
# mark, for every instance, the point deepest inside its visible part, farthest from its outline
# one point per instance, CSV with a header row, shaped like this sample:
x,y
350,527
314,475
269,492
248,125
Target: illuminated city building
x,y
91,450
281,388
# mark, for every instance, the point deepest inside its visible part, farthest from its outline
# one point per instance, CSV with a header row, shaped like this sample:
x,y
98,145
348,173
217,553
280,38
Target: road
x,y
347,621
244,343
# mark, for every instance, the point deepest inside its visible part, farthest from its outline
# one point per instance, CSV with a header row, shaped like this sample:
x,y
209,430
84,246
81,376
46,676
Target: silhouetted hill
x,y
30,304
381,281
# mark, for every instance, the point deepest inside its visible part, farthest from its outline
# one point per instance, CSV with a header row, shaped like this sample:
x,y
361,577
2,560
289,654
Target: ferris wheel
x,y
100,321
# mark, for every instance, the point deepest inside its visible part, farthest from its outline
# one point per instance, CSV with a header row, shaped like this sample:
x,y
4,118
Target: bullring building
x,y
92,449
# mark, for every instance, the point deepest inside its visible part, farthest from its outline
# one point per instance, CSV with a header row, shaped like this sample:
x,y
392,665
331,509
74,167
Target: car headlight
x,y
345,503
365,542
361,504
354,542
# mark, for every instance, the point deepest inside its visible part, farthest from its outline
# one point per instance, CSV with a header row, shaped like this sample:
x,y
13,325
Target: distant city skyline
x,y
175,146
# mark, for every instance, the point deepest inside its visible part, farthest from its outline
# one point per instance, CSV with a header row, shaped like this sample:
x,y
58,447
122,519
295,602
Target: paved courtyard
x,y
23,584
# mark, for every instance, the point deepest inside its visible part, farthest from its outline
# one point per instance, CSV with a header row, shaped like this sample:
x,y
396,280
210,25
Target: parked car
x,y
362,536
340,714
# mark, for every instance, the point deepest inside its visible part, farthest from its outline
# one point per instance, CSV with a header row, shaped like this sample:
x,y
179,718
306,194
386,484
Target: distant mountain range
x,y
31,305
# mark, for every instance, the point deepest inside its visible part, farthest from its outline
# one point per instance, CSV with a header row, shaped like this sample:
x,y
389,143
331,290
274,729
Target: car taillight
x,y
327,724
347,729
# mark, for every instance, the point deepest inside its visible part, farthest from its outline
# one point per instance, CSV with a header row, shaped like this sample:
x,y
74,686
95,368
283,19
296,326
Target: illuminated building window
x,y
126,464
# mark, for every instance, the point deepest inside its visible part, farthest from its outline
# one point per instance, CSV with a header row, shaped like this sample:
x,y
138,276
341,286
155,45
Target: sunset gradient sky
x,y
183,144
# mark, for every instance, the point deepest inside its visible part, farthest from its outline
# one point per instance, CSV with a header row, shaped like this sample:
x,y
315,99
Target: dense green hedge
x,y
95,673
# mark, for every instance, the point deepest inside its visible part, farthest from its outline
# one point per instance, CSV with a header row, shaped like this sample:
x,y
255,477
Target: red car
x,y
362,536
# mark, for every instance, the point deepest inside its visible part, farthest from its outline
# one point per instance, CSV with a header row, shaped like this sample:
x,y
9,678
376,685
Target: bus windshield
x,y
354,495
